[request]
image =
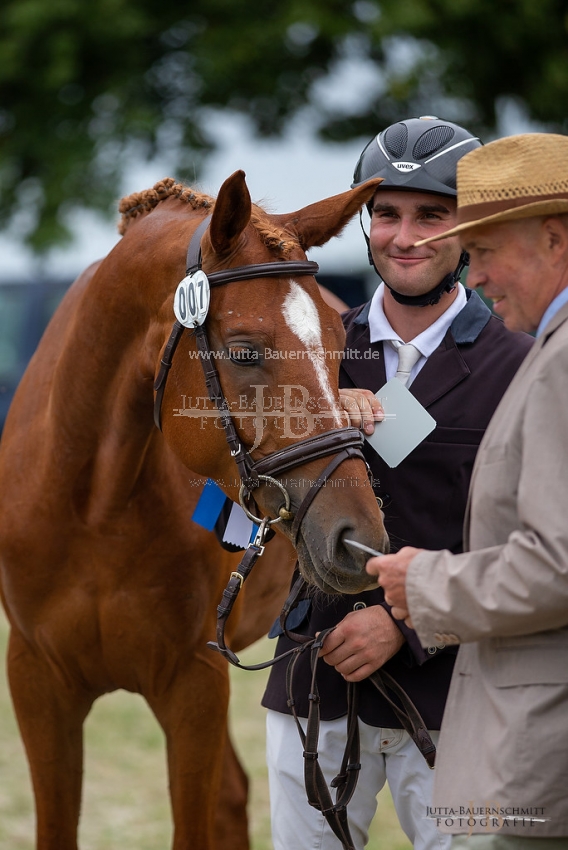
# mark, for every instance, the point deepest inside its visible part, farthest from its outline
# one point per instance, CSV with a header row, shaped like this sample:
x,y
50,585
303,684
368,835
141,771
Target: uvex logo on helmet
x,y
406,166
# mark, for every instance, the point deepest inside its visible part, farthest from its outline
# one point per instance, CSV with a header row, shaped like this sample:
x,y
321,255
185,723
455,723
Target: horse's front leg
x,y
50,715
231,825
193,714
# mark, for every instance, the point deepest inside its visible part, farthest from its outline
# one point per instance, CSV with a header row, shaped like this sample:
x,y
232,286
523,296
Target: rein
x,y
343,443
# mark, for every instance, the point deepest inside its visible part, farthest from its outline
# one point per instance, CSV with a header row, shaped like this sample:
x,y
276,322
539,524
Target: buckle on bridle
x,y
240,578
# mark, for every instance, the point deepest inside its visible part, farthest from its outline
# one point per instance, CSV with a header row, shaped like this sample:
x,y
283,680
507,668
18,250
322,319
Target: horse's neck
x,y
121,433
100,406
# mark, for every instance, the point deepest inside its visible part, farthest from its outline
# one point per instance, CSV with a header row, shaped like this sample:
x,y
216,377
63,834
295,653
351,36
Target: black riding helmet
x,y
418,155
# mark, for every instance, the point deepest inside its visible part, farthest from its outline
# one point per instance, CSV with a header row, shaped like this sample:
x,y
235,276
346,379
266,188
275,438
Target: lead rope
x,y
346,780
407,713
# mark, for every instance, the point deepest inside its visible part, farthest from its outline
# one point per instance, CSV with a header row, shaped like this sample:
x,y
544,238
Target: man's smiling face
x,y
514,264
399,219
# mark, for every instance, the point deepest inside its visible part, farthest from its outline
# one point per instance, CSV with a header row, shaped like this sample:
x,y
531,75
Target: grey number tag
x,y
191,301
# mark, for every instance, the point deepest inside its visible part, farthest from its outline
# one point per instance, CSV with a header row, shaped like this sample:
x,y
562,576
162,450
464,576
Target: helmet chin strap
x,y
427,299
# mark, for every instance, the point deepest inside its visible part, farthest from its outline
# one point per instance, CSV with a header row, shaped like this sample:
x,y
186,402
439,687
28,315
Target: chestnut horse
x,y
106,581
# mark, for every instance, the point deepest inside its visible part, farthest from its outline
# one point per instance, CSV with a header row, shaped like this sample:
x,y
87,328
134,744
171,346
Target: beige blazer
x,y
504,739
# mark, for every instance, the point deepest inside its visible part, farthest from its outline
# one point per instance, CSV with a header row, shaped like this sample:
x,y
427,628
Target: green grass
x,y
125,804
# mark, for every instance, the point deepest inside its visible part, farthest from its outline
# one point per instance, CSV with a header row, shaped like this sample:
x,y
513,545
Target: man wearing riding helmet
x,y
464,359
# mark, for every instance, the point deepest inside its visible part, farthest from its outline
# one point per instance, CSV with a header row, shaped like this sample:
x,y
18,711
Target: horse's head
x,y
277,349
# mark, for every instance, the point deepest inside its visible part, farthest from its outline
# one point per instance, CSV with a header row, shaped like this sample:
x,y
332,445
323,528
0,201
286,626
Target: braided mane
x,y
139,203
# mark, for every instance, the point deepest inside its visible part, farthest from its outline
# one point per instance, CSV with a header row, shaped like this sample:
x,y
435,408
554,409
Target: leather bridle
x,y
343,443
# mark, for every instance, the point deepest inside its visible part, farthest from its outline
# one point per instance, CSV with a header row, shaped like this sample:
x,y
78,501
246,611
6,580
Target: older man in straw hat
x,y
502,773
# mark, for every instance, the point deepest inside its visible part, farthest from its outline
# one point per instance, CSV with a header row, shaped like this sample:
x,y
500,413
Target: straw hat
x,y
515,177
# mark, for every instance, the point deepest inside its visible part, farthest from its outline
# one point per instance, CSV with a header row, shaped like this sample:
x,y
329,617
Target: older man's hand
x,y
391,572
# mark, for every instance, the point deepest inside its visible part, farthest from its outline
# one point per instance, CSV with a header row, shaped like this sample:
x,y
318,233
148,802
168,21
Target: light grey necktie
x,y
408,355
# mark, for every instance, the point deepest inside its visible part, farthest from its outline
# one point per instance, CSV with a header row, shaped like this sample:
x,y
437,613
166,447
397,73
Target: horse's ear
x,y
315,224
231,213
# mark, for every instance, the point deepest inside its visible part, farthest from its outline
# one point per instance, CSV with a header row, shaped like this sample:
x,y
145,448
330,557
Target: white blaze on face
x,y
302,318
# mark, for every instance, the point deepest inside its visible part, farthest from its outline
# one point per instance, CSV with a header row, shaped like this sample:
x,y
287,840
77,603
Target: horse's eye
x,y
243,355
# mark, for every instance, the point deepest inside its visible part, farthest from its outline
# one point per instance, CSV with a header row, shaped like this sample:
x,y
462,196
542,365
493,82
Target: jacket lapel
x,y
363,360
444,369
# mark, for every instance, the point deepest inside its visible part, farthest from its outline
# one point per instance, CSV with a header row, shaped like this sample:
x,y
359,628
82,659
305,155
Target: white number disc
x,y
191,301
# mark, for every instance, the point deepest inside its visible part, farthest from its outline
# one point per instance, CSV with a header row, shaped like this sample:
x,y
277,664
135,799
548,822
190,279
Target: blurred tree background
x,y
87,85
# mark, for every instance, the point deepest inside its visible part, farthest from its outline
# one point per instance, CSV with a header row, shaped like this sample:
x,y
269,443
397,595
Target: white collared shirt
x,y
426,342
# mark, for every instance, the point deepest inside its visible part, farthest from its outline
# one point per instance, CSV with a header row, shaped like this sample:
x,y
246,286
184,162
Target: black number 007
x,y
189,301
